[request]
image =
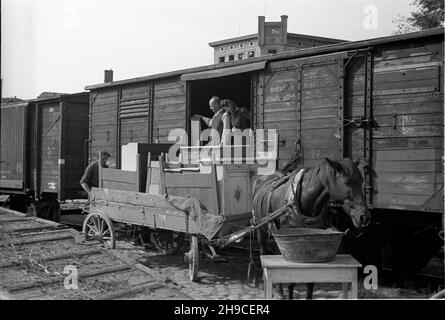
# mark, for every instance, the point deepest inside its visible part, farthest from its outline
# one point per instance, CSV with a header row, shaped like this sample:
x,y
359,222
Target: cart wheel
x,y
99,227
166,241
193,258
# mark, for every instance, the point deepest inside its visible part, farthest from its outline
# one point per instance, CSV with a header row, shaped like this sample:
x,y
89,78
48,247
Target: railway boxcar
x,y
43,150
380,100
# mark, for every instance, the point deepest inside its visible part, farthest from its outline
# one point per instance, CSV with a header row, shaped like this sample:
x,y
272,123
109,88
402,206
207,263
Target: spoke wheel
x,y
166,241
193,259
99,227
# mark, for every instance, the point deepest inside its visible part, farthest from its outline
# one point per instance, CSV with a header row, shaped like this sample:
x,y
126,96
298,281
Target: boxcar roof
x,y
44,99
326,49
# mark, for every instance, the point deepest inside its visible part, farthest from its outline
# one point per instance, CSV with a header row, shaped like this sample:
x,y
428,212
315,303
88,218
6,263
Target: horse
x,y
332,182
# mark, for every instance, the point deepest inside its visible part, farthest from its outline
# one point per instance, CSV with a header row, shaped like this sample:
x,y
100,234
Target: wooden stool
x,y
277,270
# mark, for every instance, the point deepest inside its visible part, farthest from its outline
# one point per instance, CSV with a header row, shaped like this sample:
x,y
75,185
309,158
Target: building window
x,y
251,43
272,51
251,54
231,47
222,49
222,59
240,56
231,57
241,45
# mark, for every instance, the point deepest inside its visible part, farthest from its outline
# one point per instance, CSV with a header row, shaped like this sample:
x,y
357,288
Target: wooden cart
x,y
139,198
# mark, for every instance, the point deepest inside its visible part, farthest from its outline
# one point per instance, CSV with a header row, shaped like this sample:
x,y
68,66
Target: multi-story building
x,y
272,38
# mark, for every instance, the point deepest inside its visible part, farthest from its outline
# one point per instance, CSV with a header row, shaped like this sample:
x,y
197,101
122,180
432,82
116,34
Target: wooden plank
x,y
175,108
174,92
406,188
325,72
320,123
407,60
395,65
408,85
108,100
320,113
279,107
119,185
399,201
400,108
407,155
279,87
409,166
408,75
404,143
166,85
160,102
283,116
130,197
403,98
433,178
139,89
408,131
159,218
280,97
397,52
328,92
409,120
320,102
320,82
406,91
180,180
11,184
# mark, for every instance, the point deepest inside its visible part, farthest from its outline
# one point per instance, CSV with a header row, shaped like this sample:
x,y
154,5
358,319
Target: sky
x,y
65,45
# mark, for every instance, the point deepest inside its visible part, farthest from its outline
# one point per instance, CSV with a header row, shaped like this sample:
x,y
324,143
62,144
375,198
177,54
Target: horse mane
x,y
294,163
323,170
326,172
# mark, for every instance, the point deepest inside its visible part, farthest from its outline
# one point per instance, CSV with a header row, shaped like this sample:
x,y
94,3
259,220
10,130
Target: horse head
x,y
345,187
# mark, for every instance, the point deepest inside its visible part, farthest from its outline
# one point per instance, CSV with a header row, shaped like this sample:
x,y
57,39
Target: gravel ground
x,y
226,278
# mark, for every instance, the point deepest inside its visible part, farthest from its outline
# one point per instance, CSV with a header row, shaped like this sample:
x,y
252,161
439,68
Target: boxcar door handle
x,y
394,123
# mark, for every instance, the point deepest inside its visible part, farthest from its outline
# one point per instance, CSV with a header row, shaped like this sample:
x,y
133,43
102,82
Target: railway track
x,y
40,259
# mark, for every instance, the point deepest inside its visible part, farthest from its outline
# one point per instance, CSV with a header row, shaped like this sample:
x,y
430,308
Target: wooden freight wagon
x,y
43,150
380,100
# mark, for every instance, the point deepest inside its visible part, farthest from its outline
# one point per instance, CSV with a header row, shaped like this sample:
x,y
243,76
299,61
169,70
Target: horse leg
x,y
309,291
290,289
262,240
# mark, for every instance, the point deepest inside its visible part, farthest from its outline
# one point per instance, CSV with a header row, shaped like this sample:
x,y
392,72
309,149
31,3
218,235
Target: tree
x,y
427,14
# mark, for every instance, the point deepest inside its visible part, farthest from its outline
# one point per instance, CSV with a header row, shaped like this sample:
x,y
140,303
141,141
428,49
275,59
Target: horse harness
x,y
295,217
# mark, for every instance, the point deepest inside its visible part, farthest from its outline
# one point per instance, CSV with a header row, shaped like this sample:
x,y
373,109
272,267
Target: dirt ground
x,y
226,277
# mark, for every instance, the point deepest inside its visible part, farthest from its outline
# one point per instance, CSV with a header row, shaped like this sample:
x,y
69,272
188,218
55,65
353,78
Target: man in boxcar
x,y
216,121
90,178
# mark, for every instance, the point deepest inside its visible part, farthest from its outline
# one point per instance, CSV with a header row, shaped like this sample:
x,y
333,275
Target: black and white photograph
x,y
222,156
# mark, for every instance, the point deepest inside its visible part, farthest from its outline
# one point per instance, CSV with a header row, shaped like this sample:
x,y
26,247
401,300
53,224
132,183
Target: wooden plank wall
x,y
320,113
306,90
103,123
277,107
169,110
12,158
408,131
134,113
143,112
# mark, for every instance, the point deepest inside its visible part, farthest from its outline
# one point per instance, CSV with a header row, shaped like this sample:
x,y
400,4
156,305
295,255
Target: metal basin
x,y
308,245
